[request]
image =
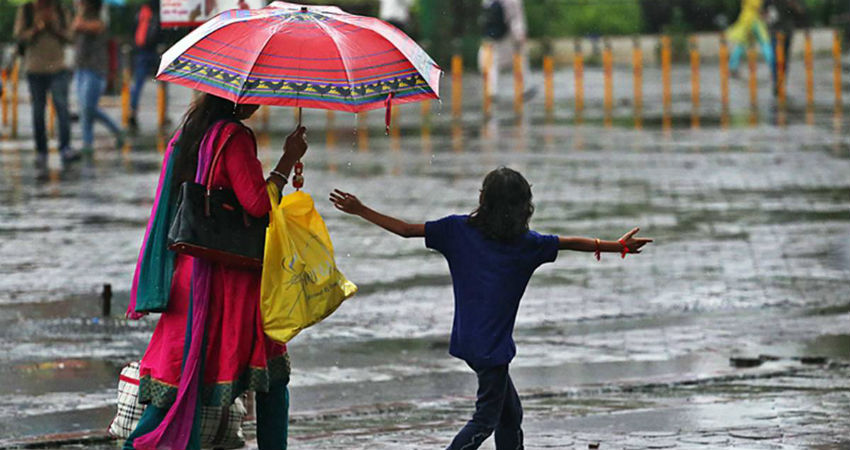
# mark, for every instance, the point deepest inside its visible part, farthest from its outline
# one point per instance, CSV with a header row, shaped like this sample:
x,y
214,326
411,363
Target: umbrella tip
x,y
303,9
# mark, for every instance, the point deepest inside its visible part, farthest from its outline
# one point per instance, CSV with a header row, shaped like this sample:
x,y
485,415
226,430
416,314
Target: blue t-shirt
x,y
489,278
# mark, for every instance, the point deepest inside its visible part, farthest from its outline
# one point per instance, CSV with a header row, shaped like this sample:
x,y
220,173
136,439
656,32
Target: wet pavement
x,y
752,258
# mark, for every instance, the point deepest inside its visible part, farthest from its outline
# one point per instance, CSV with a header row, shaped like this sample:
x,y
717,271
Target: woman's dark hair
x,y
504,207
92,7
204,111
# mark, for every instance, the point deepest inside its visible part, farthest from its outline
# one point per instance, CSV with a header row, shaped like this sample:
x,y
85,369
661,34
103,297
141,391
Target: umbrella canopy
x,y
304,56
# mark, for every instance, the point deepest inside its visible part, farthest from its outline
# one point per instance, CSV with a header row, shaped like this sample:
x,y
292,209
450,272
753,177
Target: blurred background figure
x,y
748,26
783,16
504,31
42,29
396,12
146,37
92,59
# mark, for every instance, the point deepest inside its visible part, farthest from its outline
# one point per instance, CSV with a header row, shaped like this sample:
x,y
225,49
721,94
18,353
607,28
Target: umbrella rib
x,y
330,31
257,57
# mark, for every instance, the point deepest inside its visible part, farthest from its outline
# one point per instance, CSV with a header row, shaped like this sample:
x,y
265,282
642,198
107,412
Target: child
x,y
491,255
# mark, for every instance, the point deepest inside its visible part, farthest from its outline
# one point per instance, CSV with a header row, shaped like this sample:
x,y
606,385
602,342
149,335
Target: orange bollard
x,y
457,85
695,81
637,67
836,71
161,103
548,84
666,67
125,97
4,98
51,117
395,130
608,73
780,69
16,70
330,130
723,55
485,74
518,84
265,116
578,74
810,78
363,131
751,61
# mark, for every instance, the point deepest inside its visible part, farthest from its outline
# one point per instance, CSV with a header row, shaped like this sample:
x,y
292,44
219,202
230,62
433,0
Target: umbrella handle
x,y
298,115
298,178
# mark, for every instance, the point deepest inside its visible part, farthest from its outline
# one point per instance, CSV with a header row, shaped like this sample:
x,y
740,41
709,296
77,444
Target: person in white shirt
x,y
396,12
504,32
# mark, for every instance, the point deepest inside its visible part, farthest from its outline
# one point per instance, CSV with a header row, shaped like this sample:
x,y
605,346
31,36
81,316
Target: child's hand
x,y
634,244
346,202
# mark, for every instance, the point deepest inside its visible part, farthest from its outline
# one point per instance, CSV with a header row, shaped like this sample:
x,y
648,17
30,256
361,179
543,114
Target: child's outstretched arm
x,y
350,204
583,244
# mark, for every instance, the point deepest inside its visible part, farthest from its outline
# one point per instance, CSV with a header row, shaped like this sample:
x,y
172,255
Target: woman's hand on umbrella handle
x,y
295,145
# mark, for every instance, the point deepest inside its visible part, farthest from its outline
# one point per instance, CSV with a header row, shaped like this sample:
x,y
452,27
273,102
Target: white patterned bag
x,y
221,428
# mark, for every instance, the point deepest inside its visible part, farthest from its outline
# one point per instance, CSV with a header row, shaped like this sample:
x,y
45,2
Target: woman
x,y
209,345
92,59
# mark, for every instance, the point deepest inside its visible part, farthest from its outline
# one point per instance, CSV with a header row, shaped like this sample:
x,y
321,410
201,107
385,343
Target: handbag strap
x,y
228,133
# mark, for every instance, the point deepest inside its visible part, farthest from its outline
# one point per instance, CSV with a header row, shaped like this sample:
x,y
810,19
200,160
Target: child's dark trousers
x,y
497,410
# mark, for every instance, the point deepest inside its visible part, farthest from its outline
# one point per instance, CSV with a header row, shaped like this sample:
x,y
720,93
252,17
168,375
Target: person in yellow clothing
x,y
749,25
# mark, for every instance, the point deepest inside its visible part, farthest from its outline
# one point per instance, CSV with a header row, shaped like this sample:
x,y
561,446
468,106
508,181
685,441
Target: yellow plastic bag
x,y
301,283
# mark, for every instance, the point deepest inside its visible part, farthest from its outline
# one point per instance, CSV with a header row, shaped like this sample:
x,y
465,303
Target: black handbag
x,y
210,223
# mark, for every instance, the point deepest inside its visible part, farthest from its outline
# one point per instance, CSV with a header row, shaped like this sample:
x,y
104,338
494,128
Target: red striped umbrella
x,y
304,56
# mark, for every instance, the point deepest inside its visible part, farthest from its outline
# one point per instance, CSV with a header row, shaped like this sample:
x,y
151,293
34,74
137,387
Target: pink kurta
x,y
238,355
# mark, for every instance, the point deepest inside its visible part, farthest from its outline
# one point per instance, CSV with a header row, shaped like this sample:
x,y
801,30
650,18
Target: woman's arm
x,y
26,33
350,204
87,26
583,244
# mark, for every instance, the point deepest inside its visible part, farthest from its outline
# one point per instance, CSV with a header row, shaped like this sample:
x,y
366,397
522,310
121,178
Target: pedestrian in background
x,y
504,32
43,29
783,16
396,12
146,37
92,64
748,26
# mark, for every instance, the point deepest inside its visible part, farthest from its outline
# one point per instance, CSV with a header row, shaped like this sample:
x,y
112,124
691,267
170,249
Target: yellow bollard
x,y
4,98
751,61
518,84
695,81
723,55
836,72
125,97
578,74
810,78
666,66
51,117
608,73
363,131
780,69
485,74
457,85
548,86
637,67
16,70
161,103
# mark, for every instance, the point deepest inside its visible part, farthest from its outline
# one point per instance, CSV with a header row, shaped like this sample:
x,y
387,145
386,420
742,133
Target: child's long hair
x,y
504,206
